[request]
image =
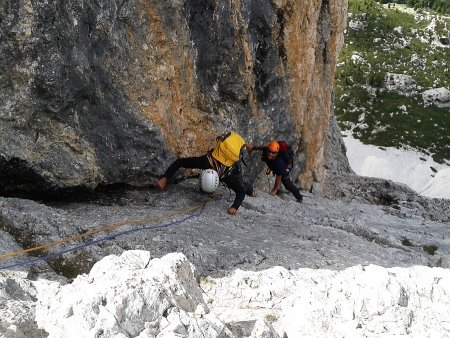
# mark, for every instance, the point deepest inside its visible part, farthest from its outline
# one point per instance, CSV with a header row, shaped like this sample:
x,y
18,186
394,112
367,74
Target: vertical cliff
x,y
102,92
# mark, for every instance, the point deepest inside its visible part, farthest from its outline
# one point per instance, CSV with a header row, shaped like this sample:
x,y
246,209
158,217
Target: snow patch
x,y
400,165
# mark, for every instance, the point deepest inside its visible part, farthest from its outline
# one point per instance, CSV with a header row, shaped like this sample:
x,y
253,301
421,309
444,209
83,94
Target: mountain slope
x,y
392,84
331,241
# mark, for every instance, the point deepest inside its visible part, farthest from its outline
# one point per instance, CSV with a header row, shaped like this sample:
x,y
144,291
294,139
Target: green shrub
x,y
430,249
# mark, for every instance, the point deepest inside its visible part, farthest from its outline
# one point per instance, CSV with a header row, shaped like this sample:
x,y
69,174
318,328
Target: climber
x,y
225,160
279,159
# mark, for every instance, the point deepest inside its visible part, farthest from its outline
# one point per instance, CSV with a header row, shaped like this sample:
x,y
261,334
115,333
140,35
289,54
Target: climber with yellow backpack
x,y
220,164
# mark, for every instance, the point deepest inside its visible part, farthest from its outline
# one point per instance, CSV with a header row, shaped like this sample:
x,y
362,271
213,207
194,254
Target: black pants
x,y
233,180
200,162
286,180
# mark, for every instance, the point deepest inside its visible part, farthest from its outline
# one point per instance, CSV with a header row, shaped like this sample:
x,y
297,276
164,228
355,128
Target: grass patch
x,y
406,242
430,249
206,280
271,318
72,266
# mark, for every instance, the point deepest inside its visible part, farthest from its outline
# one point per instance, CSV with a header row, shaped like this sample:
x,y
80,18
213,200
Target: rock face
x,y
103,92
135,296
138,297
315,261
360,301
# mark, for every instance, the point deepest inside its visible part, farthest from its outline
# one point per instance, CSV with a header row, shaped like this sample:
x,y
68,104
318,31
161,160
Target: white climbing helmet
x,y
209,180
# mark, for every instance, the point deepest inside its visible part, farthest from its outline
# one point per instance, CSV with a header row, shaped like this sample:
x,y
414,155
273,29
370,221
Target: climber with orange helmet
x,y
279,159
221,163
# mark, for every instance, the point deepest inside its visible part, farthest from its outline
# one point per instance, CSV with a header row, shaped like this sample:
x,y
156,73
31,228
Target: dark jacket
x,y
277,165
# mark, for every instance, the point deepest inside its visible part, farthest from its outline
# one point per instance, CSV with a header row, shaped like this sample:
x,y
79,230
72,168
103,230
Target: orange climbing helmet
x,y
273,147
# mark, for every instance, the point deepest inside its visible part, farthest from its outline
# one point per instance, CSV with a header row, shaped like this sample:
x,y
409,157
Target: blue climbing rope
x,y
85,245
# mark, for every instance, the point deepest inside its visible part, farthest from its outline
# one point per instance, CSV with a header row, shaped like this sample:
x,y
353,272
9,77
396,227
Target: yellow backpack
x,y
228,148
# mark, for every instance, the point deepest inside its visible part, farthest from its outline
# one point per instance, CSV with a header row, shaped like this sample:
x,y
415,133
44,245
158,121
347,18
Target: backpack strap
x,y
241,155
223,137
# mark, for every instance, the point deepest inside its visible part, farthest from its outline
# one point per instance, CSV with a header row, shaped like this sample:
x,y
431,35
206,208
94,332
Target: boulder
x,y
440,97
400,83
129,296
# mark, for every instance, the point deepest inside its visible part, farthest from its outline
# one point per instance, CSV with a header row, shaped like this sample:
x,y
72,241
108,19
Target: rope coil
x,y
146,220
